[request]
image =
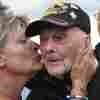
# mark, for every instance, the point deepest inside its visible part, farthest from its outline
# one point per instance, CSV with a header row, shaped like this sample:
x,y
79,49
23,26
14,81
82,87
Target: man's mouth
x,y
54,60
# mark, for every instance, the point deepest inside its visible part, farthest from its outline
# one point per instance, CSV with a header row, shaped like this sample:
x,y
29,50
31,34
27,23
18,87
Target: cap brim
x,y
35,27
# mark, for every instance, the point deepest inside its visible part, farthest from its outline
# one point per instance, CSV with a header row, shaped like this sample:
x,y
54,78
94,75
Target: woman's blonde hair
x,y
11,24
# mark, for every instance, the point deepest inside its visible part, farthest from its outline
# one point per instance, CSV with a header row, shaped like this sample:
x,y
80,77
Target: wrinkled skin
x,y
61,46
83,71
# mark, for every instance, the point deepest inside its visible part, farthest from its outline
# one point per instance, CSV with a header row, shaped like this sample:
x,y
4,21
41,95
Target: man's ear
x,y
2,59
87,41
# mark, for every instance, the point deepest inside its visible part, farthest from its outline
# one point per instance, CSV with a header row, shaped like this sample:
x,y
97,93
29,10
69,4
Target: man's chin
x,y
58,69
55,71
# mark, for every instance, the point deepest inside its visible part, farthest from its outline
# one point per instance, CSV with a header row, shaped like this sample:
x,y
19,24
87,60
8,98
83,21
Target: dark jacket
x,y
45,87
96,87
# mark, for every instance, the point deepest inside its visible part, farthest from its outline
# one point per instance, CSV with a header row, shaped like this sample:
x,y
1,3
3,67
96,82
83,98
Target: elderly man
x,y
18,57
69,63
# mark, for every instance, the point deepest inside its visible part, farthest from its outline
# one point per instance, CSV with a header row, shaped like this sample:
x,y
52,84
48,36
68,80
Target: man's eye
x,y
22,41
58,37
44,38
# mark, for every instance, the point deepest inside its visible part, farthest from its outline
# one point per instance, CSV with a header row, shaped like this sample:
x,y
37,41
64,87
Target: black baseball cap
x,y
66,15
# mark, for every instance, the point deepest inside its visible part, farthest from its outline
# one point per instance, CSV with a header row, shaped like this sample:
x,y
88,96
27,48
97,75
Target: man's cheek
x,y
67,49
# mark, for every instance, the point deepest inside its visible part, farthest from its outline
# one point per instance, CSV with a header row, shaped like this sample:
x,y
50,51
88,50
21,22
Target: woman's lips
x,y
36,58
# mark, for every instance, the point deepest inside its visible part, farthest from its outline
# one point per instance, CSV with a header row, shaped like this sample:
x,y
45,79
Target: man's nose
x,y
49,45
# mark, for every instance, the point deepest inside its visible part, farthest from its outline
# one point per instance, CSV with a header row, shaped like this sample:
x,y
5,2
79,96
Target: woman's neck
x,y
11,86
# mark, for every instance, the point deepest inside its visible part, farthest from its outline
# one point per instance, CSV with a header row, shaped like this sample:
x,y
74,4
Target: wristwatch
x,y
76,98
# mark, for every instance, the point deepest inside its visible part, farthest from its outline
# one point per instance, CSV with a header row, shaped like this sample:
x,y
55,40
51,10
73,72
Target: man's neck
x,y
60,77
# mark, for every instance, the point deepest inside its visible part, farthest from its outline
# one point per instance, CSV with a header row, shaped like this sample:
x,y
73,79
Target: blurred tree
x,y
98,20
4,10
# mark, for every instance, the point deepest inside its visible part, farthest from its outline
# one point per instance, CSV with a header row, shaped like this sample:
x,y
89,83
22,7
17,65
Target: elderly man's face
x,y
61,46
20,54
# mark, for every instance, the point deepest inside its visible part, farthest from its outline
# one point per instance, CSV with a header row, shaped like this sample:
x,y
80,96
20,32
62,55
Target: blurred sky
x,y
37,7
90,5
